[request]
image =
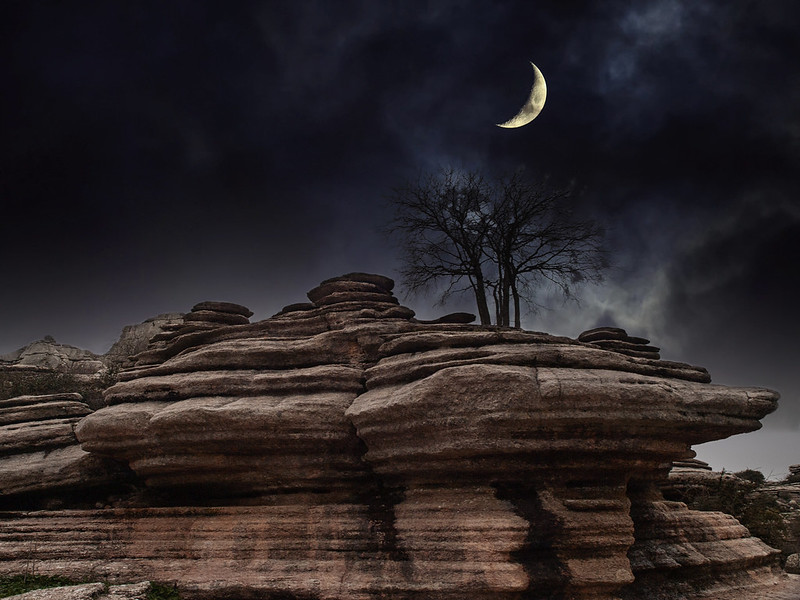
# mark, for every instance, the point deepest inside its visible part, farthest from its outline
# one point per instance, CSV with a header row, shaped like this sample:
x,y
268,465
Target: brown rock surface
x,y
343,450
793,564
689,478
135,338
618,340
39,453
50,355
680,551
213,316
223,307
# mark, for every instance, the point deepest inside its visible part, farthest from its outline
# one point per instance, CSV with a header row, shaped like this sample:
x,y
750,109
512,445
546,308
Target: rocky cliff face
x,y
41,462
344,450
47,354
134,339
770,509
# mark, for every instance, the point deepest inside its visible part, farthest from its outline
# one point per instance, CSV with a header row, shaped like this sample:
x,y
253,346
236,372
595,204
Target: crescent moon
x,y
531,109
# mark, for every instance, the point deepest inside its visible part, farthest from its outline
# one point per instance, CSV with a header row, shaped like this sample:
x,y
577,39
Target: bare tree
x,y
441,219
508,237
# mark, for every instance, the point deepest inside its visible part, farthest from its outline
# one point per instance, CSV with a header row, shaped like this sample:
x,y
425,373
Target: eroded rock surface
x,y
690,478
344,450
39,454
89,591
47,354
134,339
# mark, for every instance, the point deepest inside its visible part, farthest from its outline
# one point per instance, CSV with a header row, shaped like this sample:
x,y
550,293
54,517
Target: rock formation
x,y
89,591
793,564
770,508
134,339
690,478
47,354
40,459
614,338
344,450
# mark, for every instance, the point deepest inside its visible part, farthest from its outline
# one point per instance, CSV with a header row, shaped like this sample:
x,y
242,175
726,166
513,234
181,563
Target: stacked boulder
x,y
203,318
350,297
39,454
690,478
209,315
194,411
618,340
135,338
363,289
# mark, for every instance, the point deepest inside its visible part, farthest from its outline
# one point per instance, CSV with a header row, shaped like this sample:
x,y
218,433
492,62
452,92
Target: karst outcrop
x,y
47,354
342,449
134,339
770,509
41,462
691,477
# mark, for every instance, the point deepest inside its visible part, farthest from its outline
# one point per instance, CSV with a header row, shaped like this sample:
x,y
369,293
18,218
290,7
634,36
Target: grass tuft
x,y
159,591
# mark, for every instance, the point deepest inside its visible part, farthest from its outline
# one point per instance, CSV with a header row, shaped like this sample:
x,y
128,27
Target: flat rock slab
x,y
785,588
379,280
226,307
89,591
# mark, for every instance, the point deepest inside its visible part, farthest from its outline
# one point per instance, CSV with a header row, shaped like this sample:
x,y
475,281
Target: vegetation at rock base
x,y
751,475
19,584
159,591
32,383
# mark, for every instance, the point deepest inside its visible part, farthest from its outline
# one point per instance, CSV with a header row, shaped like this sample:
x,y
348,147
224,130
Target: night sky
x,y
157,154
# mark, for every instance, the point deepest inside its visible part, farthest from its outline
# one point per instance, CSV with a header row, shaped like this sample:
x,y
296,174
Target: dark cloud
x,y
156,154
733,292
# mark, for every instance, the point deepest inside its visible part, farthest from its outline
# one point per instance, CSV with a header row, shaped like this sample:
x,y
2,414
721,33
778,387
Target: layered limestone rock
x,y
204,317
49,355
558,429
679,552
614,338
39,454
344,450
248,410
134,339
690,478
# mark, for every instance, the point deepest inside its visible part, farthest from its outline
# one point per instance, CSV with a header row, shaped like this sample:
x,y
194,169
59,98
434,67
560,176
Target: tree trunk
x,y
480,298
496,297
515,292
506,301
505,298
